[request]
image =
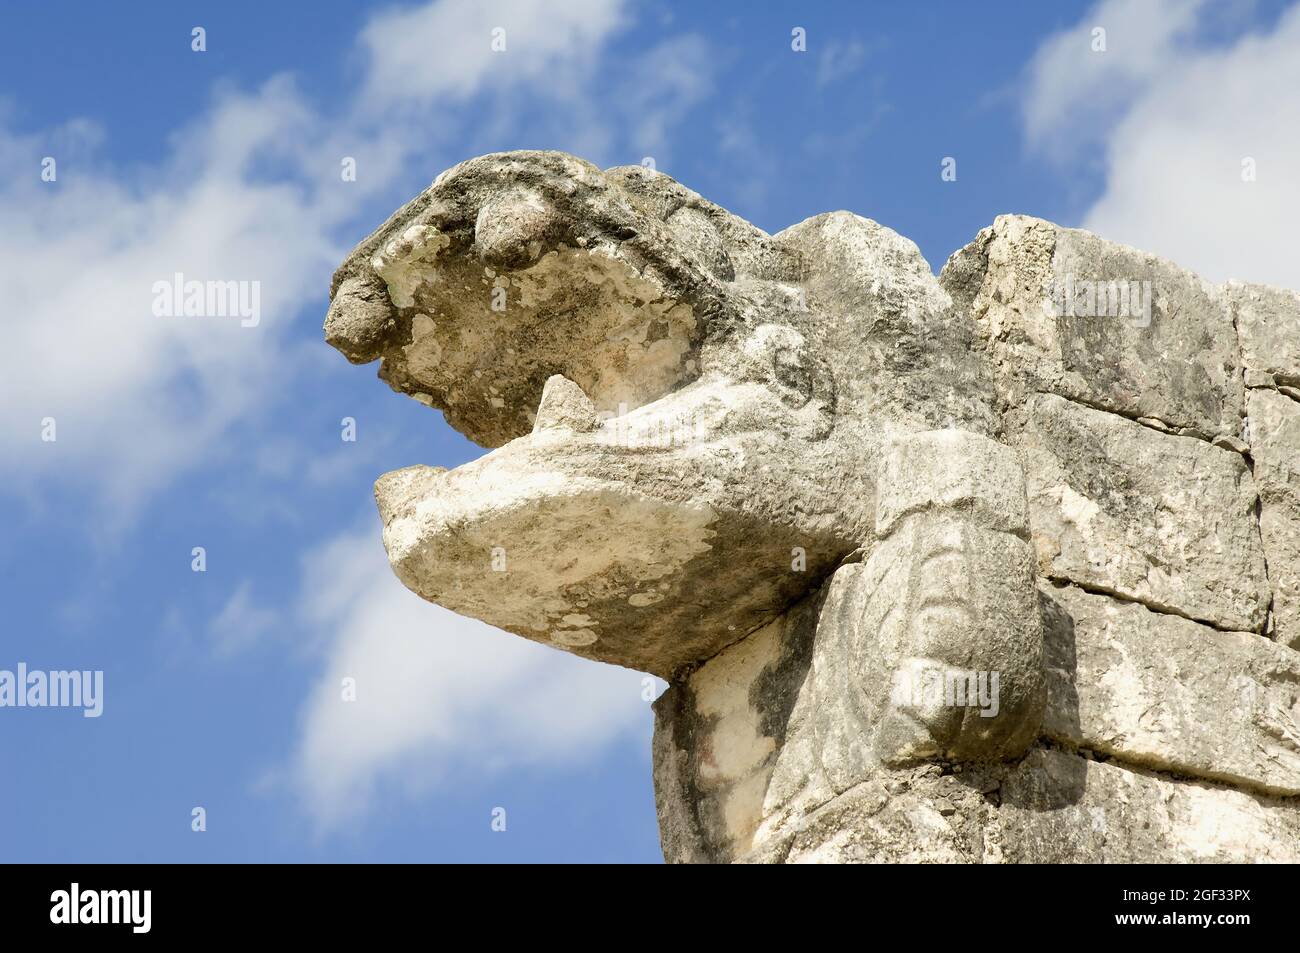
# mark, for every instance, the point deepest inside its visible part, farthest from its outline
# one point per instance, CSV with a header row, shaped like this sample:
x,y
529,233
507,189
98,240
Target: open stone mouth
x,y
577,312
639,408
645,537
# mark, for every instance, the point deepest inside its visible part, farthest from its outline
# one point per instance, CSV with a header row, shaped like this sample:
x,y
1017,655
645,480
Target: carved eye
x,y
792,373
779,357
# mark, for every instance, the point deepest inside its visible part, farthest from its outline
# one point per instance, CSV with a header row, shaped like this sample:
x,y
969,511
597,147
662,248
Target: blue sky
x,y
221,687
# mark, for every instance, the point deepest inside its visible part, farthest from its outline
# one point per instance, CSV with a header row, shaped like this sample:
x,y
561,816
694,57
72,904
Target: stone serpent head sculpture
x,y
796,476
690,419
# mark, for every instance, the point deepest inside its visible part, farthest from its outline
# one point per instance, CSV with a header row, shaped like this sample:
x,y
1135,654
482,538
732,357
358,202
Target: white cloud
x,y
840,59
445,50
1174,143
663,84
435,692
137,397
1074,86
241,623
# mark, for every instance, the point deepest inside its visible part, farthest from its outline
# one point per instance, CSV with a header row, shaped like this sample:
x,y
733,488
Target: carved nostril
x,y
360,318
513,230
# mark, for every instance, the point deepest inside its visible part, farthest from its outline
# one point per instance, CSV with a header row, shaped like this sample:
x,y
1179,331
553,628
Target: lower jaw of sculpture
x,y
648,558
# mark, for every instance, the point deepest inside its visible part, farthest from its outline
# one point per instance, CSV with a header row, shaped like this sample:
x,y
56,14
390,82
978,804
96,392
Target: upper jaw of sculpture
x,y
515,267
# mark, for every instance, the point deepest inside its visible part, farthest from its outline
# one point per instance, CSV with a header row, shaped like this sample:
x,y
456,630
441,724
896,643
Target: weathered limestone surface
x,y
1052,807
1058,808
720,732
1275,447
945,600
1122,508
1268,326
1159,690
758,758
845,685
999,566
1150,340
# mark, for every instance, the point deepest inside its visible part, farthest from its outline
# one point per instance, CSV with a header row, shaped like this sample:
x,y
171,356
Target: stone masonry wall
x,y
1161,461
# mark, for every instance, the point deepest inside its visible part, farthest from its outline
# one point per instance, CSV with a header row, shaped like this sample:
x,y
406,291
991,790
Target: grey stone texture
x,y
998,566
1065,312
1275,447
1154,689
1124,509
